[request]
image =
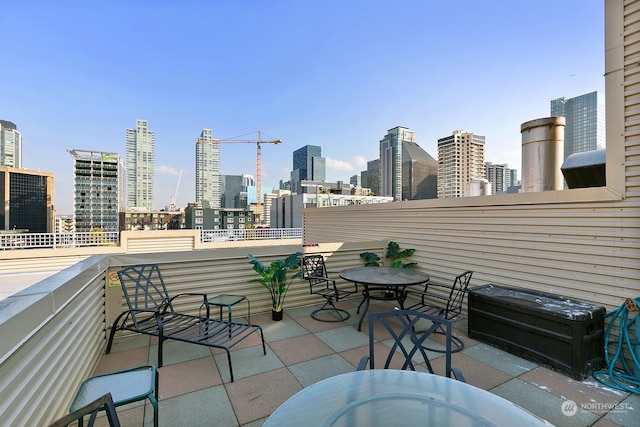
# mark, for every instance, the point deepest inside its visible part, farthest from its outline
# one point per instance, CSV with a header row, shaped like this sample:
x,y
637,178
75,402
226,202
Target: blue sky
x,y
337,74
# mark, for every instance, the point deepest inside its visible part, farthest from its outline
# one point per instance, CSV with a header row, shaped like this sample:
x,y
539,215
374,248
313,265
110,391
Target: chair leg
x,y
154,402
160,341
111,336
230,366
157,394
112,333
329,307
264,349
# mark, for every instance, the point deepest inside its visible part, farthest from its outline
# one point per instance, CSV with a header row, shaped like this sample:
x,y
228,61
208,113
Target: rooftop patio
x,y
195,388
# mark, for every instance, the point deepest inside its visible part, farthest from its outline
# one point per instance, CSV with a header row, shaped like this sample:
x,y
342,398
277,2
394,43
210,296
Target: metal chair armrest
x,y
427,294
205,300
191,294
319,278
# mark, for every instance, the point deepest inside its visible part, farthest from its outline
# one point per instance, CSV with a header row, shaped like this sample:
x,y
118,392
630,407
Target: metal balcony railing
x,y
11,241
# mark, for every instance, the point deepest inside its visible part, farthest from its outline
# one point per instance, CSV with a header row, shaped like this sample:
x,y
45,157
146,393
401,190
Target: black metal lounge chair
x,y
151,312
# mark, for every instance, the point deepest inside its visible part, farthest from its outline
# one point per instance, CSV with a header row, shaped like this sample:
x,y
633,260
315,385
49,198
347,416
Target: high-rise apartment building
x,y
208,169
10,145
140,147
499,176
460,160
407,172
371,177
27,200
308,165
98,190
585,125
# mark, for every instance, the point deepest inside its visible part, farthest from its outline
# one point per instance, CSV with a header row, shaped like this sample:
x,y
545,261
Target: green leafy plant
x,y
274,276
394,254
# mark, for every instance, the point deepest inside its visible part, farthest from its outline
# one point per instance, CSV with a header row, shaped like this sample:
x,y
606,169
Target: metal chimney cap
x,y
546,121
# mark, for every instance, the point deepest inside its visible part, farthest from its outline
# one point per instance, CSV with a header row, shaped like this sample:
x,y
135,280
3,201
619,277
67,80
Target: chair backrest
x,y
314,269
105,402
409,345
456,296
144,289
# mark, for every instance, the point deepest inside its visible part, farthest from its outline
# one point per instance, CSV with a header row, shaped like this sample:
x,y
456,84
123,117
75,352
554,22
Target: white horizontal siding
x,y
50,364
228,271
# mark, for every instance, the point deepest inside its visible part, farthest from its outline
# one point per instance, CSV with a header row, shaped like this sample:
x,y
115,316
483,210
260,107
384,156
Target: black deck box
x,y
554,331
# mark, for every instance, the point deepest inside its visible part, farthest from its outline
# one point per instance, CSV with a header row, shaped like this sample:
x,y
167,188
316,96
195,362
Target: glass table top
x,y
386,397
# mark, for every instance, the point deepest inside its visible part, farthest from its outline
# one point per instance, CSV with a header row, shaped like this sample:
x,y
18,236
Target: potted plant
x,y
394,254
274,278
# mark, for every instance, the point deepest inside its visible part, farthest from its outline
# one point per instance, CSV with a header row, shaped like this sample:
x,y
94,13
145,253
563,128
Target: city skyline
x,y
279,68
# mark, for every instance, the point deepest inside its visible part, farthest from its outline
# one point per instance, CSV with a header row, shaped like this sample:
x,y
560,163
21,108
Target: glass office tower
x,y
308,165
585,125
391,161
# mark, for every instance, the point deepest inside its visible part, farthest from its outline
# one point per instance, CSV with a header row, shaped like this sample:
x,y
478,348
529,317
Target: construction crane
x,y
172,205
258,166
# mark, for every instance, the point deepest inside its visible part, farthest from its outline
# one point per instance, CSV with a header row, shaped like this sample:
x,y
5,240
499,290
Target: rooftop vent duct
x,y
586,169
542,154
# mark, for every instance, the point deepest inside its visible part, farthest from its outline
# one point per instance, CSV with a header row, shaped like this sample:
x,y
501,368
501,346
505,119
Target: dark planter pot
x,y
276,315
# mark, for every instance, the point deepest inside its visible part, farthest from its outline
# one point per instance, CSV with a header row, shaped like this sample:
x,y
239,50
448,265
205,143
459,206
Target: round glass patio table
x,y
387,397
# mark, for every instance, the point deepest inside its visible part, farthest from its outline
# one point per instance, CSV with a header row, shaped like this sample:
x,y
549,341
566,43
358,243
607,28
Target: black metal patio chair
x,y
409,345
441,300
91,409
314,270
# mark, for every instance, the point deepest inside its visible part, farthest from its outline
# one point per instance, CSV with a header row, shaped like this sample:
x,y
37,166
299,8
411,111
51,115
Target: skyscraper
x,y
234,191
208,169
371,177
585,125
499,176
10,145
27,200
98,188
391,161
460,160
419,173
140,166
309,165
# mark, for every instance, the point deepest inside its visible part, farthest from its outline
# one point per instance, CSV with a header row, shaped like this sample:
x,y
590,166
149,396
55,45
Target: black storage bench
x,y
558,332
